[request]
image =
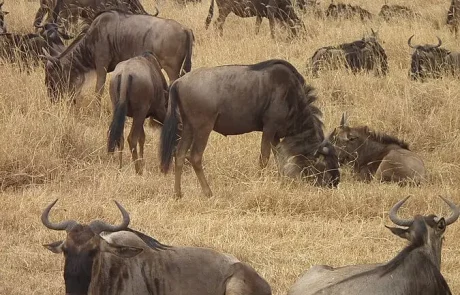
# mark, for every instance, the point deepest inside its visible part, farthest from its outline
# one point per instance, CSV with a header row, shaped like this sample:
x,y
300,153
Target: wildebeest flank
x,y
377,155
126,262
415,270
366,54
270,96
274,10
139,90
432,61
124,36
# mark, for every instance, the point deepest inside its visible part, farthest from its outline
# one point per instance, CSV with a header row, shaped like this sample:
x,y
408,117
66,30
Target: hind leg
x,y
258,23
219,23
268,139
183,146
141,147
133,139
196,157
121,145
246,281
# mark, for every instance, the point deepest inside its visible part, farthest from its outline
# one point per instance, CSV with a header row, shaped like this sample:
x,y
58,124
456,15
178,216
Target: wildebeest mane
x,y
381,137
268,63
78,54
110,9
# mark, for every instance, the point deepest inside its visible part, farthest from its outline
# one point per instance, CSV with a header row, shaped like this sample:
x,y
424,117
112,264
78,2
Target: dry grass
x,y
54,151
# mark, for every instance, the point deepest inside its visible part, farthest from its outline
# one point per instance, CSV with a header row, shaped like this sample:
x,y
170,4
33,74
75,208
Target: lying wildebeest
x,y
275,10
270,96
27,49
139,90
366,54
71,10
453,16
415,270
3,28
347,11
431,61
125,36
388,12
126,262
376,155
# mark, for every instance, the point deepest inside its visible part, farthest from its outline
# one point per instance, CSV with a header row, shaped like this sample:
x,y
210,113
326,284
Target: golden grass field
x,y
51,151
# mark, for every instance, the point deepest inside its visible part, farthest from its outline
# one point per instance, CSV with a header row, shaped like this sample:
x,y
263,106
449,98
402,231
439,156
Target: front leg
x,y
101,77
268,138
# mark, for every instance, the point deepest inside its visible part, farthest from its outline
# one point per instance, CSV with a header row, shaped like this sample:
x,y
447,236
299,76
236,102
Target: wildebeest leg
x,y
141,146
268,137
200,140
182,147
133,138
258,23
101,77
39,16
271,21
219,23
121,146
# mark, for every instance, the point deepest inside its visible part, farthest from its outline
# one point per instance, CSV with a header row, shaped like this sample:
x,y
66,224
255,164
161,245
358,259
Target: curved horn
x,y
439,42
99,226
157,11
455,211
344,120
394,214
64,225
409,42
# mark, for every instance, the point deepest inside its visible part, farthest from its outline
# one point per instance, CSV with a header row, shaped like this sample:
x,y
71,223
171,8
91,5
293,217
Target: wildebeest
x,y
415,270
432,61
126,262
3,28
366,54
388,12
139,90
275,10
347,11
27,49
453,16
125,36
70,10
270,96
377,155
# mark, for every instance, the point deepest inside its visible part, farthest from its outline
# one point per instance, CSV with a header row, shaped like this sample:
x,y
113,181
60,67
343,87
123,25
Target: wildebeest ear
x,y
344,120
400,232
55,247
120,251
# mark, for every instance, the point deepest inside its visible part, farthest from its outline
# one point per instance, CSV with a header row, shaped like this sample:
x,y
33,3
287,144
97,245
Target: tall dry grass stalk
x,y
53,151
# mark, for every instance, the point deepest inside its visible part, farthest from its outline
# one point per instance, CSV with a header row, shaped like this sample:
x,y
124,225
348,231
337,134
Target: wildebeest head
x,y
427,60
82,246
2,19
425,231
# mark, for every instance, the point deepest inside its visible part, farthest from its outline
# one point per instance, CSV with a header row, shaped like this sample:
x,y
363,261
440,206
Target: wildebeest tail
x,y
168,139
210,14
119,114
188,58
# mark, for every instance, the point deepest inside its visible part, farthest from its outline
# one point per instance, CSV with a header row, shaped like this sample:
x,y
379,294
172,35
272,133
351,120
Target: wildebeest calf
x,y
432,61
139,90
347,11
275,10
365,54
453,16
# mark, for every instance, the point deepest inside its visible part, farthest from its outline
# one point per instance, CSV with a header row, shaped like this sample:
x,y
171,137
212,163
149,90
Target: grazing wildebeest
x,y
139,90
274,10
366,54
126,262
347,11
453,16
388,12
125,36
270,96
71,10
415,270
3,28
431,61
377,155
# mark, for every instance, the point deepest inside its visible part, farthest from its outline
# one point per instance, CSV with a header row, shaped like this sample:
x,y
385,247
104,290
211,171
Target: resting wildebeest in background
x,y
377,155
125,36
26,50
415,270
275,10
3,28
347,11
389,12
122,261
270,96
431,61
139,90
363,55
453,16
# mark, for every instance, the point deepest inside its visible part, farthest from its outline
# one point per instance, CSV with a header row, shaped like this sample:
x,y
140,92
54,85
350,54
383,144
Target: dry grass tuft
x,y
53,151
